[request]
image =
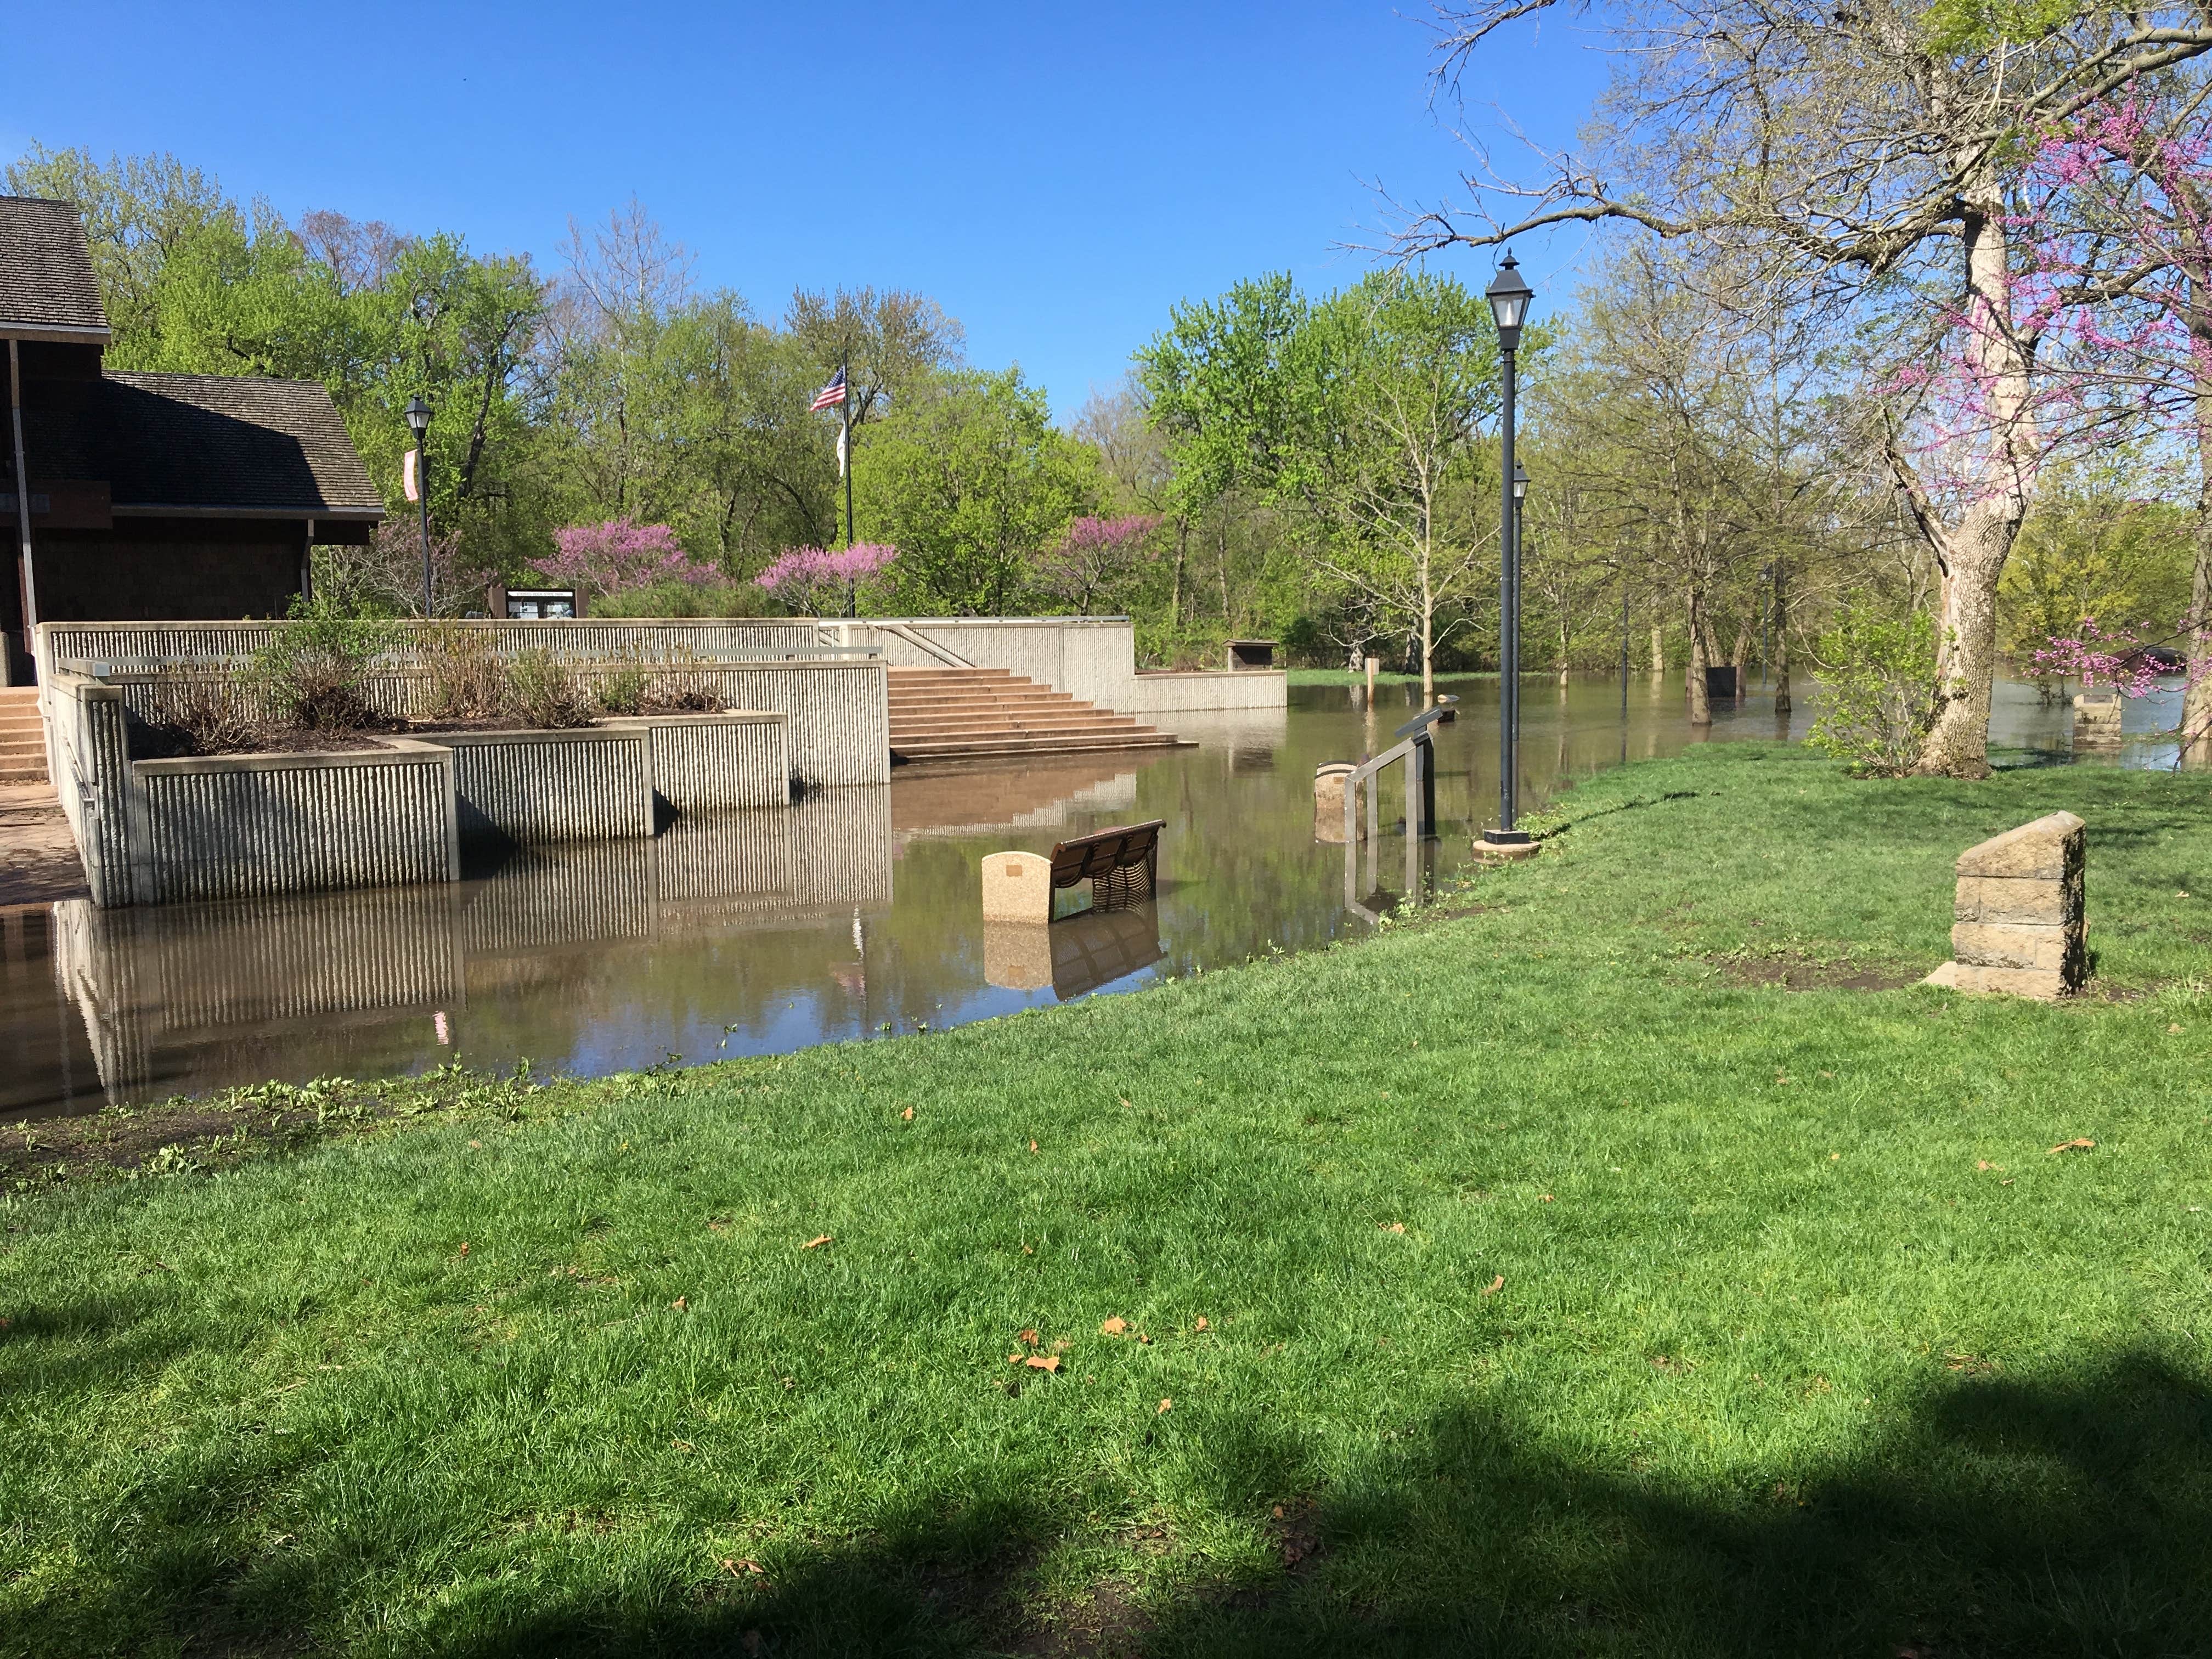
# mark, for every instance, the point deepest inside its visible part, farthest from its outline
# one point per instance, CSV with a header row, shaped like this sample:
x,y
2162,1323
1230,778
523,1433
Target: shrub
x,y
622,692
813,582
467,680
543,692
1879,691
207,717
315,670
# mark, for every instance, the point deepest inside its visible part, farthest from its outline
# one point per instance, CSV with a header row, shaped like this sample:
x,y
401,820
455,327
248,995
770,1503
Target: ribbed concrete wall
x,y
128,646
714,762
233,827
837,714
592,784
87,756
1092,658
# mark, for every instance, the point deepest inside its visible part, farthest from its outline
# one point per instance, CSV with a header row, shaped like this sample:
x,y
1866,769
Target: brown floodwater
x,y
853,915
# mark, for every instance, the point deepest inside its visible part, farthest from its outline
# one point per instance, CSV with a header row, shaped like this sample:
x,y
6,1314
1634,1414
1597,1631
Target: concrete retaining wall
x,y
129,647
592,783
713,762
836,712
234,826
1092,658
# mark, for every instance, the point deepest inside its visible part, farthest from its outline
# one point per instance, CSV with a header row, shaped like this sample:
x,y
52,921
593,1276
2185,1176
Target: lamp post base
x,y
1504,845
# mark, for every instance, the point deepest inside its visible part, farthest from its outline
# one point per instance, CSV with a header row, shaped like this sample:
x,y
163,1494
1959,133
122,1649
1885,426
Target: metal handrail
x,y
945,654
1414,752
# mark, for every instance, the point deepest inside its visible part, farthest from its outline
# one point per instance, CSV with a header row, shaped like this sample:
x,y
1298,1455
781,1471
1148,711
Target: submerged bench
x,y
1121,864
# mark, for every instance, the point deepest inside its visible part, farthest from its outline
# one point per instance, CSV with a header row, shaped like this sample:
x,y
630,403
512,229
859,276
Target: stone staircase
x,y
22,736
962,713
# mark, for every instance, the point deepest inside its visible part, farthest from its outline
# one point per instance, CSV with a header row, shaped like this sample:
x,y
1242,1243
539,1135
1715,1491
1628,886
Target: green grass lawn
x,y
1346,677
1533,1281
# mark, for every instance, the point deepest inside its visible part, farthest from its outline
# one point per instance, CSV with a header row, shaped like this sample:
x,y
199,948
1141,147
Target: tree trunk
x,y
1974,554
1782,704
1174,594
1701,705
2197,701
1658,651
1957,744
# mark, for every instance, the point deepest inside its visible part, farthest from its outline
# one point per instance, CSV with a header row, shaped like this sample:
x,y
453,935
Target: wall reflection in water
x,y
200,995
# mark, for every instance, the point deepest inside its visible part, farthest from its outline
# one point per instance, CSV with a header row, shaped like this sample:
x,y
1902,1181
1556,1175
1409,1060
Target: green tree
x,y
970,480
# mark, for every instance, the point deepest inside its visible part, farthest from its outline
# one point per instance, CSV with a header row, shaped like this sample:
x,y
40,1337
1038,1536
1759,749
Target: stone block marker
x,y
1016,887
1328,803
2017,924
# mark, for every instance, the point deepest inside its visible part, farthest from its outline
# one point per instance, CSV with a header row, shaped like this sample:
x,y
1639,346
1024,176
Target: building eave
x,y
169,510
55,333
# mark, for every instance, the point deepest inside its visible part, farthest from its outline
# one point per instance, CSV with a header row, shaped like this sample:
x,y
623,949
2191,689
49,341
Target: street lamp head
x,y
1509,298
1520,481
418,415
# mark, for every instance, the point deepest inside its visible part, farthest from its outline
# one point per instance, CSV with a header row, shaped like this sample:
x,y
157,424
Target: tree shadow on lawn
x,y
2066,1516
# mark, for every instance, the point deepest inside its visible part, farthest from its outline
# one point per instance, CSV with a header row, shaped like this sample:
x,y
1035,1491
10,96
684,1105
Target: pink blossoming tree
x,y
618,556
1096,556
814,581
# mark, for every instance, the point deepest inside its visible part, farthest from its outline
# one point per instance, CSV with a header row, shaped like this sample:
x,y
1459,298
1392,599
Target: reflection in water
x,y
852,914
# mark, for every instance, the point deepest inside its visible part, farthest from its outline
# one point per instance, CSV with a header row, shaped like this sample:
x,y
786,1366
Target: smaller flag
x,y
841,452
411,475
832,395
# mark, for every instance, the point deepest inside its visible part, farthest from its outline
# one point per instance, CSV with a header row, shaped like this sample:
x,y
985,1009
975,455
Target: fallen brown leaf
x,y
1495,1286
1392,1227
1043,1362
1033,1146
1142,1338
1125,1103
1202,1325
463,1249
2079,1144
1029,1337
908,1115
1165,1404
1115,1326
738,1569
477,1145
1545,1199
681,1303
812,1244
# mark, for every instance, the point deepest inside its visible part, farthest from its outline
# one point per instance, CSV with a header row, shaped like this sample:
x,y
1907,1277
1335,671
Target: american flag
x,y
832,395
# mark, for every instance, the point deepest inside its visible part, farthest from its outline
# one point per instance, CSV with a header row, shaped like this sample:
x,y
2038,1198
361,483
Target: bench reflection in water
x,y
1075,954
157,986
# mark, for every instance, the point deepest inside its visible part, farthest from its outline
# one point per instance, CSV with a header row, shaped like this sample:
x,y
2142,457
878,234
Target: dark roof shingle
x,y
46,280
203,443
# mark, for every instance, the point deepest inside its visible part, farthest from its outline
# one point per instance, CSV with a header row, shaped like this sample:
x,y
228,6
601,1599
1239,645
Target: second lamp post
x,y
1509,296
418,416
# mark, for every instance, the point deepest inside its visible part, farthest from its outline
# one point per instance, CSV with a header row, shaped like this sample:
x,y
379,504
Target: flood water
x,y
853,915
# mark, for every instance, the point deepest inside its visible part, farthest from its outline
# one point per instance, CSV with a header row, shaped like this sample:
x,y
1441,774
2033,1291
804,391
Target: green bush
x,y
622,692
467,680
315,670
1879,691
543,692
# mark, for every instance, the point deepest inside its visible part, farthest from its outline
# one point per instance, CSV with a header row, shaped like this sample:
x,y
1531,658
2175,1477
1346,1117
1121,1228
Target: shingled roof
x,y
205,443
46,282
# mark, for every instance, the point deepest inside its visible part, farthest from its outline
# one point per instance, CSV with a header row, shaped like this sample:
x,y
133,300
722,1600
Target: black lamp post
x,y
1509,296
418,416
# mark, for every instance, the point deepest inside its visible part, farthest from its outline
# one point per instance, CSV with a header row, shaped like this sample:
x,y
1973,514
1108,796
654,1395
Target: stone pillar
x,y
1328,803
1016,887
2097,720
2018,923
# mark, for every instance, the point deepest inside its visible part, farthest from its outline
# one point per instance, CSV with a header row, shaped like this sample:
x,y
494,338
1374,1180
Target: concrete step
x,y
967,728
1039,745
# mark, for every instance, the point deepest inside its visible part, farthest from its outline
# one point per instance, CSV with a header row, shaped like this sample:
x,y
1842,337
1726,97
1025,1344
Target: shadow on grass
x,y
2064,1517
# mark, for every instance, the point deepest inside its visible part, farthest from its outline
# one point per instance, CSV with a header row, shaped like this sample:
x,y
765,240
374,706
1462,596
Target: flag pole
x,y
844,372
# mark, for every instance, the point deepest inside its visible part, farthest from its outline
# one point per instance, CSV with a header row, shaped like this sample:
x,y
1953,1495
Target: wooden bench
x,y
1121,864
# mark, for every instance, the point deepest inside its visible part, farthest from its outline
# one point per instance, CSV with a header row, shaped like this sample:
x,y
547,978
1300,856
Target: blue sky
x,y
1055,181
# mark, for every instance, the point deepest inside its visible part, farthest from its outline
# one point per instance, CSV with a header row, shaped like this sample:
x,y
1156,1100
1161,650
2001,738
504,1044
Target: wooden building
x,y
151,497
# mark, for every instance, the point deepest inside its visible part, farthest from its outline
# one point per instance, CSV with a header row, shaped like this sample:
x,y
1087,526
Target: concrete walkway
x,y
38,859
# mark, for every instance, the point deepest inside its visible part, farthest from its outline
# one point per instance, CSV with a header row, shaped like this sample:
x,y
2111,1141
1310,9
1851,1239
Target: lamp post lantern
x,y
418,417
1509,296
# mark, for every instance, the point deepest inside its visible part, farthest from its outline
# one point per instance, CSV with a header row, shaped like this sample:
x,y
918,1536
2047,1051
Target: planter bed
x,y
586,783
